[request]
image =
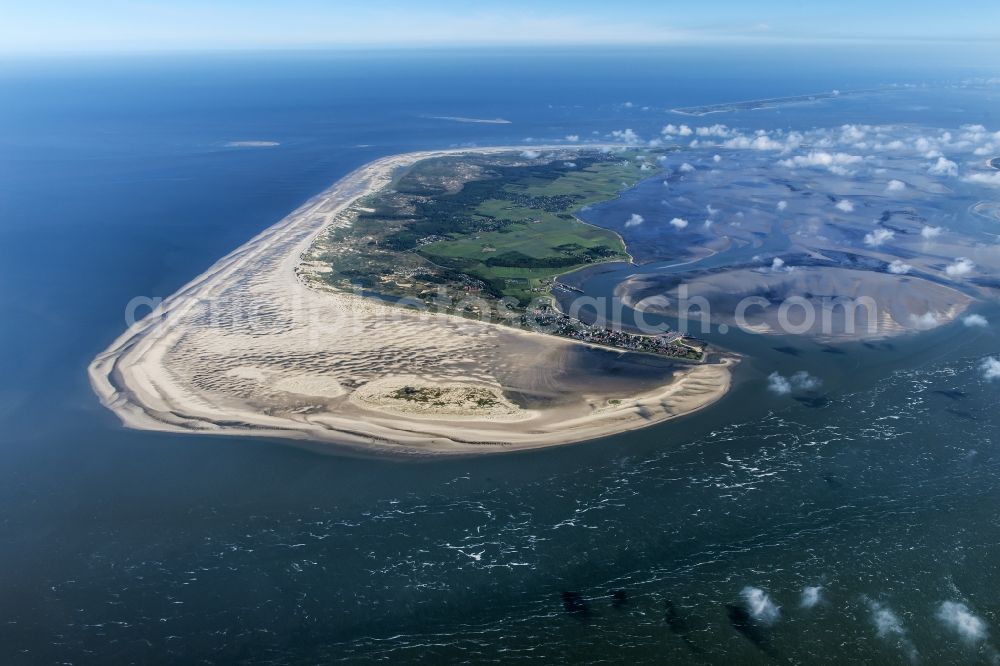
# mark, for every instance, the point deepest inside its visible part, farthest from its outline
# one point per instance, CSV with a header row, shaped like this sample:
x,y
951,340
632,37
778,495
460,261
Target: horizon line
x,y
752,42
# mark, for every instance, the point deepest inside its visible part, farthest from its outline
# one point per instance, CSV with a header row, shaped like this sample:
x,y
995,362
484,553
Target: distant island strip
x,y
463,119
766,103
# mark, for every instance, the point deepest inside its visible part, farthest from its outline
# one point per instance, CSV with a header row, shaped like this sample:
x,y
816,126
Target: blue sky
x,y
74,25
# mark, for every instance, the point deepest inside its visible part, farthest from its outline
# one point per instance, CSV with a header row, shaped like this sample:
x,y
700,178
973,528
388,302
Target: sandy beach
x,y
253,348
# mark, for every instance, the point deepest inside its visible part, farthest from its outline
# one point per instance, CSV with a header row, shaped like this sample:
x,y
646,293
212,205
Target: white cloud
x,y
943,167
678,222
992,179
926,321
879,236
835,162
777,264
778,384
675,130
628,105
957,617
811,595
975,320
569,165
686,168
889,625
573,137
897,267
762,141
895,186
720,131
530,154
716,158
803,381
634,221
626,136
990,368
929,232
760,606
800,381
845,206
851,134
782,205
960,268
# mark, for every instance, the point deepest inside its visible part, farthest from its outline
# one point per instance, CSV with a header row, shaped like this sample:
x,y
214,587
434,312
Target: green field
x,y
542,239
495,226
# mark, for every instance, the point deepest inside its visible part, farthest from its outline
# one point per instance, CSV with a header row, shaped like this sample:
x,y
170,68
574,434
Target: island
x,y
409,308
488,236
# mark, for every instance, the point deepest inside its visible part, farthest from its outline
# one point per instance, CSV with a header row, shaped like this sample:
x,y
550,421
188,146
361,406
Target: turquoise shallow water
x,y
124,546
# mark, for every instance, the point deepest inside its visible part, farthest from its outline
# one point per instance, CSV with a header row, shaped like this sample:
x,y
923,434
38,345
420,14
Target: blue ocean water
x,y
116,181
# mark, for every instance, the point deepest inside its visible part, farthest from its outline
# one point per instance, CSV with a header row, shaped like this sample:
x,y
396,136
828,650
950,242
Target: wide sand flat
x,y
844,305
248,348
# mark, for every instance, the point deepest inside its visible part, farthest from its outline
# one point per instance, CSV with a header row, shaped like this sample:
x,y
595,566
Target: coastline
x,y
179,370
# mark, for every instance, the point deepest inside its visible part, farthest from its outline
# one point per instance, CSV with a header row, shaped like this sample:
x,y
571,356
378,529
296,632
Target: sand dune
x,y
250,348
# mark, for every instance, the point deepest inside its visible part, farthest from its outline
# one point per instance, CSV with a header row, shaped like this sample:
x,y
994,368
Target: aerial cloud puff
x,y
879,236
957,617
800,381
886,622
720,131
992,179
895,186
975,321
674,130
530,154
686,168
930,232
960,268
943,167
634,221
778,384
845,206
782,205
762,140
851,134
990,368
897,267
803,381
811,595
925,321
678,222
888,625
760,606
835,162
573,138
626,136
